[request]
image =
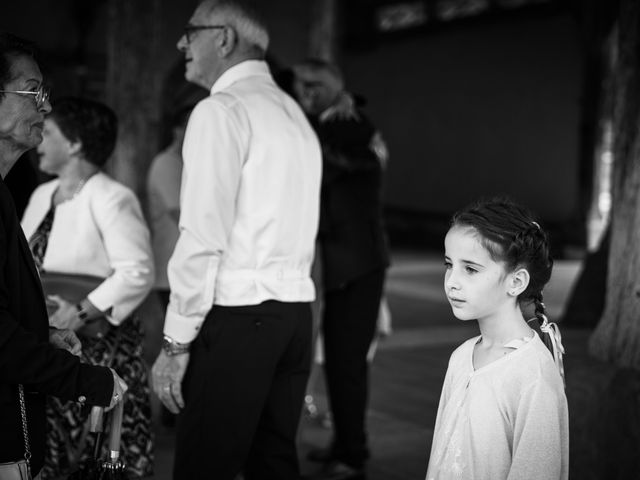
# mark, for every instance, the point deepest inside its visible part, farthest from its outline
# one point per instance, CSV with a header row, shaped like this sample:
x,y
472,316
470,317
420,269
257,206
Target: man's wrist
x,y
171,347
81,313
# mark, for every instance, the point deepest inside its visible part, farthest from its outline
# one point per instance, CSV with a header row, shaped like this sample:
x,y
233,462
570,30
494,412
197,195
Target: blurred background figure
x,y
163,190
353,254
83,222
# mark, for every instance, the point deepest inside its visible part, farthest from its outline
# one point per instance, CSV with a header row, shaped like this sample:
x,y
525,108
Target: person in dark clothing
x,y
35,360
354,256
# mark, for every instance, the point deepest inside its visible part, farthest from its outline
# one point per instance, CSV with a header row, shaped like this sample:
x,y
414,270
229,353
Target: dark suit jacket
x,y
25,353
351,233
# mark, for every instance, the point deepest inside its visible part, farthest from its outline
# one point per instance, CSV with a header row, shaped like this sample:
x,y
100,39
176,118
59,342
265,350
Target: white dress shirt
x,y
249,201
98,232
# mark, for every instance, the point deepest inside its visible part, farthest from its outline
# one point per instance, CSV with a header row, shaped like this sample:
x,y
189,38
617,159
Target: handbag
x,y
74,288
19,470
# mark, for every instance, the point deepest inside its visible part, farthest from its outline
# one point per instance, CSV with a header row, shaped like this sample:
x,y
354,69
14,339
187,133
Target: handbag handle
x,y
115,433
25,430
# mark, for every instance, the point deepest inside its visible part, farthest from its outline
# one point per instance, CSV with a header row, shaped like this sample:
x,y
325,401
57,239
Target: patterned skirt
x,y
69,442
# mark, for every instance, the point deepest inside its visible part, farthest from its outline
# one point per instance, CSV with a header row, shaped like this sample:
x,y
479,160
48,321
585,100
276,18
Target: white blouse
x,y
507,420
100,232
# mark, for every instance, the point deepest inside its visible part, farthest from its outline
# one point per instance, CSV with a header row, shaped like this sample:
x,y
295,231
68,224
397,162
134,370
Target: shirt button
x,y
82,399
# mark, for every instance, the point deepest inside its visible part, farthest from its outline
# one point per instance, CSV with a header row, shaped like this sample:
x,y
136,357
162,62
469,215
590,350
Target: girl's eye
x,y
447,265
470,270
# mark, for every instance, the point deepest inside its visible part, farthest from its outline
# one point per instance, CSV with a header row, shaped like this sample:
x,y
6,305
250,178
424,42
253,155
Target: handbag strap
x,y
25,429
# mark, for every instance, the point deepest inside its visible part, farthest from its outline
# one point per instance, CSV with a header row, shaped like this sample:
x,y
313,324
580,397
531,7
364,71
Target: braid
x,y
540,308
541,317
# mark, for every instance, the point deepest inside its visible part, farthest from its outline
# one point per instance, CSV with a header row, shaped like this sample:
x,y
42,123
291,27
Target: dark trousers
x,y
244,389
349,324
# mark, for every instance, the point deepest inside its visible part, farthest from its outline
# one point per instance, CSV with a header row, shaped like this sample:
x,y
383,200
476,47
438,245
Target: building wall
x,y
478,110
467,111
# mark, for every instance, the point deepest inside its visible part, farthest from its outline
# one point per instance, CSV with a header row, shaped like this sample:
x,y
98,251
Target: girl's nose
x,y
450,281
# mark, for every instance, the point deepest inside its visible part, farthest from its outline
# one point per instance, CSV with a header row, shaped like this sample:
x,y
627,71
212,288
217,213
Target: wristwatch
x,y
171,347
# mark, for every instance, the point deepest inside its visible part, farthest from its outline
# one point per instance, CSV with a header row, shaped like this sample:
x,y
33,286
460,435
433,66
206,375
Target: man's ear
x,y
228,42
518,281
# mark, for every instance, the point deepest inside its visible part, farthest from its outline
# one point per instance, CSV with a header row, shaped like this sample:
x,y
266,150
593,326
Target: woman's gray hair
x,y
245,19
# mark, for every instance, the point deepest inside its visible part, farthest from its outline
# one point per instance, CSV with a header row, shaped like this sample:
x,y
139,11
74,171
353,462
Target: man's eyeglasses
x,y
41,95
190,30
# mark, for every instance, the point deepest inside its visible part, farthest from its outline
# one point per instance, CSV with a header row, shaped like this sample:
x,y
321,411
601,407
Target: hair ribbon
x,y
553,331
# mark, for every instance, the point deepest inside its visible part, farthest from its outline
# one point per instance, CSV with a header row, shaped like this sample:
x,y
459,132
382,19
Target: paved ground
x,y
407,371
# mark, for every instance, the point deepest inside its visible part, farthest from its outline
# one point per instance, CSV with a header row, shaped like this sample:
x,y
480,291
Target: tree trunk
x,y
617,336
133,86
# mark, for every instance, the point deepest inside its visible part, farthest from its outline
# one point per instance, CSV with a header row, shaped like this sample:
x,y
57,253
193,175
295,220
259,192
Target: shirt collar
x,y
248,68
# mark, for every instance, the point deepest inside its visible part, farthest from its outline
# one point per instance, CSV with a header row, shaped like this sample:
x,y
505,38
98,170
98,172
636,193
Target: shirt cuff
x,y
103,306
180,328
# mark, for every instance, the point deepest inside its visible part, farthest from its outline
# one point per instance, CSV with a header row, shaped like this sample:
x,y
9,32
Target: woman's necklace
x,y
78,188
76,191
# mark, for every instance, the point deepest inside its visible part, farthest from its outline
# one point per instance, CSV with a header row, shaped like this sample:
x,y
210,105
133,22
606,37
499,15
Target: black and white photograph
x,y
320,240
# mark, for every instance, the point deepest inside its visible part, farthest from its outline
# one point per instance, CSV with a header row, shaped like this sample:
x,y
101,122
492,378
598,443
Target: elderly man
x,y
236,351
353,253
33,360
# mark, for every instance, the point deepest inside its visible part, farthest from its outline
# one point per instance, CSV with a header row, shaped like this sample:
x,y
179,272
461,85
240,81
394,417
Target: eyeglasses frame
x,y
191,29
40,96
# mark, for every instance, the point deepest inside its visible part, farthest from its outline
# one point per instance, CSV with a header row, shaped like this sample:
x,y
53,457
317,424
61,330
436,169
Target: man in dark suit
x,y
33,356
354,256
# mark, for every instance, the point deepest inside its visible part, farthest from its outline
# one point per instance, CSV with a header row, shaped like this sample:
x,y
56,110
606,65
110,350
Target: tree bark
x,y
616,339
133,86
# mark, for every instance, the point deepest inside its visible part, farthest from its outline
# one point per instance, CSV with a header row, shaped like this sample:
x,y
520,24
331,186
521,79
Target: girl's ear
x,y
518,281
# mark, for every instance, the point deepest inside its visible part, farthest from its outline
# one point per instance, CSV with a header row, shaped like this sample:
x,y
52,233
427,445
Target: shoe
x,y
338,471
321,455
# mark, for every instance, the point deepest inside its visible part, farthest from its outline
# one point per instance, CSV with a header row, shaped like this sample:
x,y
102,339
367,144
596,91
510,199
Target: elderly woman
x,y
84,222
33,360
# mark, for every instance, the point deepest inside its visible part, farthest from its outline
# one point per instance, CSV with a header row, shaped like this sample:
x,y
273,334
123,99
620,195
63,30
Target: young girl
x,y
503,411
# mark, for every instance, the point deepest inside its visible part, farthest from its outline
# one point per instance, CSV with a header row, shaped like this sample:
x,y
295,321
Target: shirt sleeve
x,y
214,151
541,433
127,243
24,357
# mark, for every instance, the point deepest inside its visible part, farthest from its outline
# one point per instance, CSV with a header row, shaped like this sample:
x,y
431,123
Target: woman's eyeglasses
x,y
41,95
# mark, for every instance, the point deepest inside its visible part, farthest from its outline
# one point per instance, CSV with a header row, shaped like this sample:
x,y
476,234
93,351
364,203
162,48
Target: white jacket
x,y
101,232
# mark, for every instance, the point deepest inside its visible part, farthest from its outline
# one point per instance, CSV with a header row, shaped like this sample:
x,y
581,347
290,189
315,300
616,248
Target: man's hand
x,y
119,389
166,376
344,108
65,316
65,340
